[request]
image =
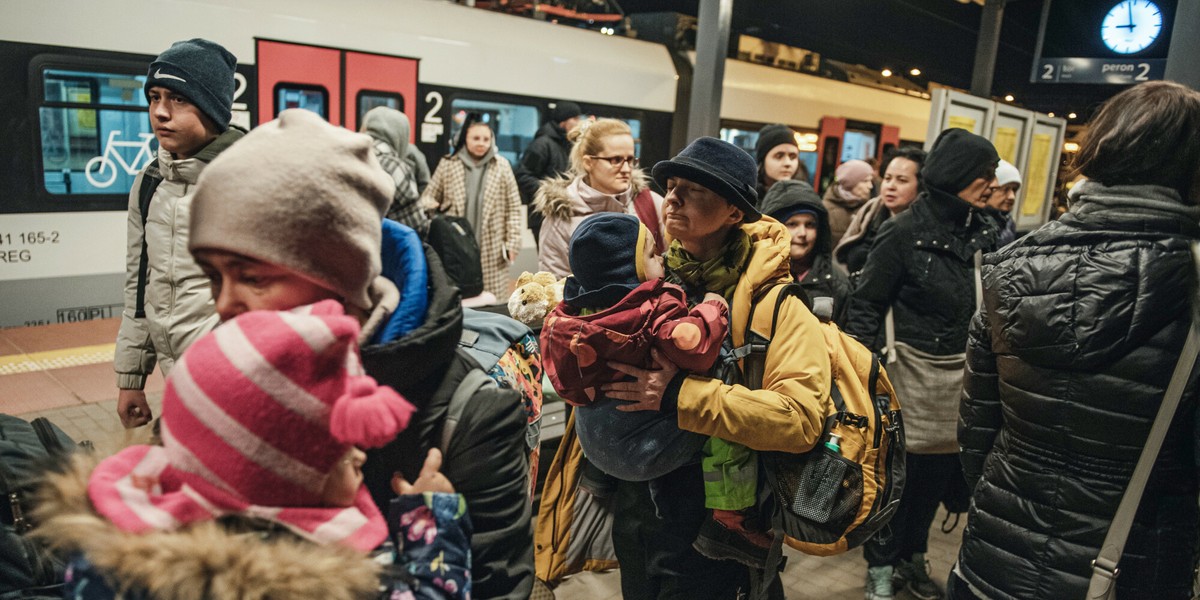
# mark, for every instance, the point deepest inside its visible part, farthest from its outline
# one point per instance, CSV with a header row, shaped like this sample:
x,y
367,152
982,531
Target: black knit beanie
x,y
771,136
958,157
604,260
564,110
201,71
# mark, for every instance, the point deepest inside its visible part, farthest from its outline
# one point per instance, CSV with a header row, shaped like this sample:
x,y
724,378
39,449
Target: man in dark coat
x,y
547,156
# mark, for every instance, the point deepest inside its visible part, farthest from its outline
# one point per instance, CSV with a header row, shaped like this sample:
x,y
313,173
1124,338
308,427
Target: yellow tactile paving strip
x,y
30,362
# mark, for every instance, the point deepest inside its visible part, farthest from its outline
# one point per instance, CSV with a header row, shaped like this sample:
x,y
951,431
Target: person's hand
x,y
710,297
429,479
646,392
133,409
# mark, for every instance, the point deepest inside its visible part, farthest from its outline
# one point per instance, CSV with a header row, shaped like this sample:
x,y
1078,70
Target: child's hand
x,y
709,297
429,480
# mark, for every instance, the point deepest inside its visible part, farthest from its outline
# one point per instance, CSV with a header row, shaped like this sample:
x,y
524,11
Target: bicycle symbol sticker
x,y
101,171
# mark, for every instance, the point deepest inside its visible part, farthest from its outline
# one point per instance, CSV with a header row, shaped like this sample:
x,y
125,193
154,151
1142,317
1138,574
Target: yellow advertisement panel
x,y
1038,176
1006,143
961,122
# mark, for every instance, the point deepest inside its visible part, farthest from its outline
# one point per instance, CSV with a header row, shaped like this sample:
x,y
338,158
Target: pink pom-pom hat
x,y
255,416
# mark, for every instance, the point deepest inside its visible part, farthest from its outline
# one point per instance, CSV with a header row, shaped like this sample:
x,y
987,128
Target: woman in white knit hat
x,y
293,214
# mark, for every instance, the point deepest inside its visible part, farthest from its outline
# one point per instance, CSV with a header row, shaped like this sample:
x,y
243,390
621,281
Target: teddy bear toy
x,y
536,295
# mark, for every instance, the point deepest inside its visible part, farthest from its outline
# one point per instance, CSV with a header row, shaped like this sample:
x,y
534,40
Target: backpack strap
x,y
472,382
150,180
647,213
753,351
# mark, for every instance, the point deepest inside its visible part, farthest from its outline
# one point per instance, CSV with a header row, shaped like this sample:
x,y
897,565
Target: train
x,y
76,130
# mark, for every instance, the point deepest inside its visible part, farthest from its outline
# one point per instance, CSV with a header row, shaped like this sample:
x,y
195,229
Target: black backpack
x,y
27,569
454,241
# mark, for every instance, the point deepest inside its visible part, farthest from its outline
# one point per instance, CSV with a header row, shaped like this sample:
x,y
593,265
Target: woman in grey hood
x,y
476,182
389,129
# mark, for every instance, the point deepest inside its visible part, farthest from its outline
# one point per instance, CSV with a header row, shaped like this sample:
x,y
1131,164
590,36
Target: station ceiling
x,y
936,36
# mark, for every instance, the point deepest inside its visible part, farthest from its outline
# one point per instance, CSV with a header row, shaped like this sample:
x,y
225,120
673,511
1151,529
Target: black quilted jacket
x,y
1083,322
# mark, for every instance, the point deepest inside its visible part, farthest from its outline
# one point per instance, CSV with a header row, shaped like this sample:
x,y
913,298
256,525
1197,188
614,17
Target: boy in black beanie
x,y
168,304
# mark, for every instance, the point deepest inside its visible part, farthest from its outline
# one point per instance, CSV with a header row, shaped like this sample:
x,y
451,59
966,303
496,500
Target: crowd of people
x,y
318,439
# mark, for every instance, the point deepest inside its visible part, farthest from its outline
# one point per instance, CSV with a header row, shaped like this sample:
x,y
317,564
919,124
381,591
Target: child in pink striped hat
x,y
261,427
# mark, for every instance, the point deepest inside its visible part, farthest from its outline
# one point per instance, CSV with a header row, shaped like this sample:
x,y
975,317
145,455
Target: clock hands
x,y
1129,5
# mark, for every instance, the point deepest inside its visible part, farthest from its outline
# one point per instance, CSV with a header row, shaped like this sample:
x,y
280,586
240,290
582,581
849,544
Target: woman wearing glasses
x,y
603,177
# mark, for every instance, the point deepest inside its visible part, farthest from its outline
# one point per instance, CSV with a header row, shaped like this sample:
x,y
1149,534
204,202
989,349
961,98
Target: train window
x,y
368,99
635,128
513,124
746,139
858,145
742,138
95,133
314,98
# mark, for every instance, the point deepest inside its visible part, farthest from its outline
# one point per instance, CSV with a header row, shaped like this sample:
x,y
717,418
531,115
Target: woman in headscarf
x,y
851,189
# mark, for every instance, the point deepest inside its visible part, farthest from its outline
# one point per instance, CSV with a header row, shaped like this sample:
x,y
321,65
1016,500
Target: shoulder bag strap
x,y
1104,567
150,180
978,278
472,382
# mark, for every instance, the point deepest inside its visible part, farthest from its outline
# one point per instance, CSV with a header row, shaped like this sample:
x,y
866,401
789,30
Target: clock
x,y
1131,26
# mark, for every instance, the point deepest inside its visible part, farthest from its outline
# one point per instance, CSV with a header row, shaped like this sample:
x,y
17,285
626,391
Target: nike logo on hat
x,y
160,75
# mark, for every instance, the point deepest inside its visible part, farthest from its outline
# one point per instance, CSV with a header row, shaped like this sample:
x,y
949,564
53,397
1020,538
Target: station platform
x,y
65,373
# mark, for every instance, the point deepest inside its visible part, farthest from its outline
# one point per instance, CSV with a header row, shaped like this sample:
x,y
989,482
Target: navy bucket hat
x,y
725,169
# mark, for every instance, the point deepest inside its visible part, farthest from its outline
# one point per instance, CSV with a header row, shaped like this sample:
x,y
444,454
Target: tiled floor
x,y
82,401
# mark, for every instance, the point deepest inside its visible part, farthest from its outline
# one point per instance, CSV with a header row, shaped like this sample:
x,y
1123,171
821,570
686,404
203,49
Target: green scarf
x,y
719,274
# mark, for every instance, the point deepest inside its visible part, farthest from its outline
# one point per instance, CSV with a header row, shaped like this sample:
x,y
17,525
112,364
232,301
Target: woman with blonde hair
x,y
603,177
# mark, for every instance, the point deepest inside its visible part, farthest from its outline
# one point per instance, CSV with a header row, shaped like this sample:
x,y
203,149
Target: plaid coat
x,y
500,218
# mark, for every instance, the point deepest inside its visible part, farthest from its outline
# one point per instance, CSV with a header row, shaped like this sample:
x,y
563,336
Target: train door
x,y
340,85
842,140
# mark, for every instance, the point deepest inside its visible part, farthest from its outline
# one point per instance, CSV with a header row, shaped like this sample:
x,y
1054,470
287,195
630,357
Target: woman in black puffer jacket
x,y
921,266
1082,323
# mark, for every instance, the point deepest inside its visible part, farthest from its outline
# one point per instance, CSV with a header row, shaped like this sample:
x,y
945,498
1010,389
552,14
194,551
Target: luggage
x,y
454,241
27,568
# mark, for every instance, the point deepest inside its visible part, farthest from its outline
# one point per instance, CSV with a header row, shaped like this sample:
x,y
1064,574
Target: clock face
x,y
1131,26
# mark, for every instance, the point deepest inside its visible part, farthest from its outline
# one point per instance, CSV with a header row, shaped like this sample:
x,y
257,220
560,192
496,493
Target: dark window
x,y
368,99
313,98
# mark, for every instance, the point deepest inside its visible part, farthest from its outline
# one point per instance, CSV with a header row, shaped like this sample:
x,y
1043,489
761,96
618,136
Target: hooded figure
x,y
800,209
389,129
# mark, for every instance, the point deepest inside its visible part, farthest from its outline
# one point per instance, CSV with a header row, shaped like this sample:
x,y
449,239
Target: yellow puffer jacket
x,y
787,414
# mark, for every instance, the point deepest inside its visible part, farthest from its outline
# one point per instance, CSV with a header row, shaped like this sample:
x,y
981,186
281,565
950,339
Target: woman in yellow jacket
x,y
722,244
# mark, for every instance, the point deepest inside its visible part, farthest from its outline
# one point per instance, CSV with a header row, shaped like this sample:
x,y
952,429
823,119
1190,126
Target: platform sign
x,y
1103,41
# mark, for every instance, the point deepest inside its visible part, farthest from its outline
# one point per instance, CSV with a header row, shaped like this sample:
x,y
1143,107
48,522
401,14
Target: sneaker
x,y
726,537
914,575
879,583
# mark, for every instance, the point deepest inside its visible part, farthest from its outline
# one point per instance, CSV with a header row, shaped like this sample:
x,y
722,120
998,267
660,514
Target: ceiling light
x,y
1071,147
1071,115
1049,114
886,72
914,72
1008,98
